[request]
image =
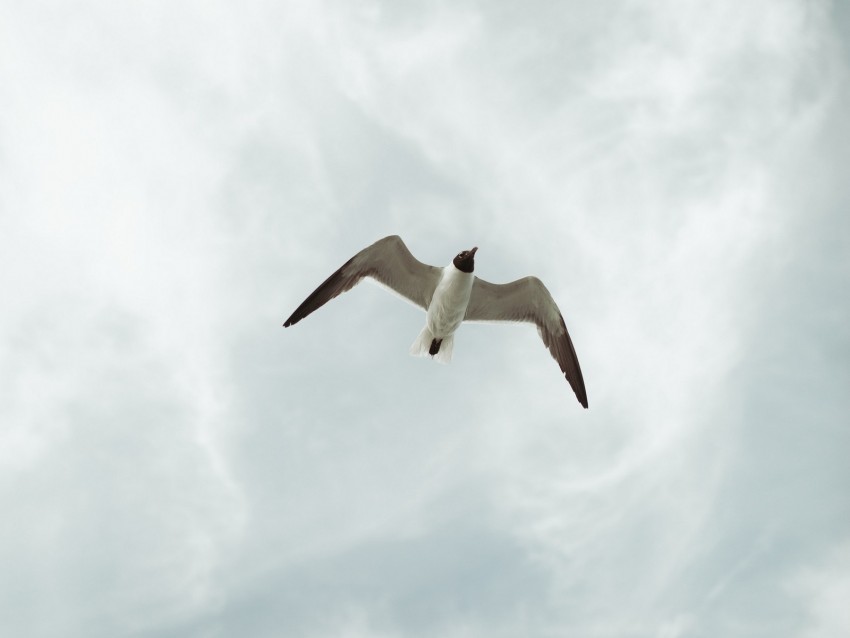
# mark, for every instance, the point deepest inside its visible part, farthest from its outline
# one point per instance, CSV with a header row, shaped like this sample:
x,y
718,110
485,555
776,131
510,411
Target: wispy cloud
x,y
825,586
175,180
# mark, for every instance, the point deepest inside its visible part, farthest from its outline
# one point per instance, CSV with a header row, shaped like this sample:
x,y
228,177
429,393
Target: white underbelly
x,y
448,306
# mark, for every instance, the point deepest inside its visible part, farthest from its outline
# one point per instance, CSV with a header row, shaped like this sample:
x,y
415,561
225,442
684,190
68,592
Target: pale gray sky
x,y
175,178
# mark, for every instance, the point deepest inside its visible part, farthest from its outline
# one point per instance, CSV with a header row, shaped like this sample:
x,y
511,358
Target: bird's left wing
x,y
528,300
387,261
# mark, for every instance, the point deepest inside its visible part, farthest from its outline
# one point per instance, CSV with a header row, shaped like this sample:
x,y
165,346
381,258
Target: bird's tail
x,y
428,345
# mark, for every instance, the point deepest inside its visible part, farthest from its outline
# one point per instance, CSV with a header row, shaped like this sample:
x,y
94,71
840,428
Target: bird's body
x,y
444,315
450,296
448,306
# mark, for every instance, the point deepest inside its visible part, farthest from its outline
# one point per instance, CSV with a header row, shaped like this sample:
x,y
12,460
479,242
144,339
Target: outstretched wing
x,y
387,261
527,299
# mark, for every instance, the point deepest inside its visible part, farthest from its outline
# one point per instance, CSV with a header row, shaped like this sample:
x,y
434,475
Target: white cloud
x,y
113,374
825,587
178,176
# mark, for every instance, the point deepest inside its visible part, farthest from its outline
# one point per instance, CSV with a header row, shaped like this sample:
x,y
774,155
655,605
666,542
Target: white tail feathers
x,y
421,347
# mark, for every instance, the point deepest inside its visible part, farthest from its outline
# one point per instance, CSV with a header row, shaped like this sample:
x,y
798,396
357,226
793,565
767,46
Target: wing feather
x,y
528,300
389,262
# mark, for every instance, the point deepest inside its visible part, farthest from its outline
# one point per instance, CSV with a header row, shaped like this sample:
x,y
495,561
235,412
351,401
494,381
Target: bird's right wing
x,y
387,261
527,299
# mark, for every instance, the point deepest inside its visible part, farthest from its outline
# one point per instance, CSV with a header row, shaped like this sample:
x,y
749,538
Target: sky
x,y
176,177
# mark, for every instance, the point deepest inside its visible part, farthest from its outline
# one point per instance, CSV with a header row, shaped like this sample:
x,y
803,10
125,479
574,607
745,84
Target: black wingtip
x,y
580,392
582,398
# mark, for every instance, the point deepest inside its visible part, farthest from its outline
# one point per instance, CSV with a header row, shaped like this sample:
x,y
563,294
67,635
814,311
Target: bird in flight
x,y
450,296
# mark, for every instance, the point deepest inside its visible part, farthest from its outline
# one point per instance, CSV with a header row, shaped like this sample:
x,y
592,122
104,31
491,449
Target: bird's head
x,y
464,261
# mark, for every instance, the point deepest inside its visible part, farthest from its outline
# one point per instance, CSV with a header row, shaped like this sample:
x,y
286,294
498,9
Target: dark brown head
x,y
465,261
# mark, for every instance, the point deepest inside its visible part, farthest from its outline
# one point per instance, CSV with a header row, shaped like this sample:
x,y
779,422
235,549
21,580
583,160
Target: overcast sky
x,y
176,177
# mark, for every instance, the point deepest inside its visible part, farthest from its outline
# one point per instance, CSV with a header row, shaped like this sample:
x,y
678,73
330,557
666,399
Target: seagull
x,y
450,296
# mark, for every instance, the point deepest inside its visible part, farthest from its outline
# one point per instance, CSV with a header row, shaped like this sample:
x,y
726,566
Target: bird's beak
x,y
472,252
